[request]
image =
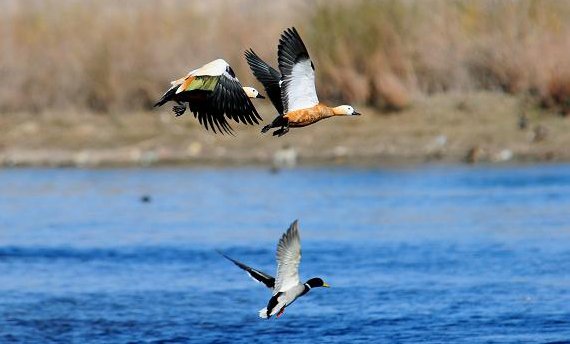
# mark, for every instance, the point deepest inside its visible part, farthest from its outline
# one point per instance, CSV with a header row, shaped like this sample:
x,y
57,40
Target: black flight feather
x,y
267,76
259,276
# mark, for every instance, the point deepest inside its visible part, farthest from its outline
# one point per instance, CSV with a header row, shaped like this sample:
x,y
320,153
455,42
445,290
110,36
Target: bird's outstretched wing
x,y
214,95
257,275
230,99
267,76
297,73
209,116
288,259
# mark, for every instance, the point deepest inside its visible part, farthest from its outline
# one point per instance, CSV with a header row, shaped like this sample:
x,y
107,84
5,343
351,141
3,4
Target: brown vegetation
x,y
396,49
114,56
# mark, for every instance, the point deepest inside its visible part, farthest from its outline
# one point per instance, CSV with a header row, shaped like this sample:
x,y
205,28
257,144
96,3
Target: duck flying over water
x,y
292,90
286,286
213,94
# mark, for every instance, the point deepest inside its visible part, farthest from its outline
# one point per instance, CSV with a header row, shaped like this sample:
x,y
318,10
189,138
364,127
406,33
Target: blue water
x,y
426,254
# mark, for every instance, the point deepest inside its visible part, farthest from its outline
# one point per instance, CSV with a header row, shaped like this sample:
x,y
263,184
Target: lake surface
x,y
423,254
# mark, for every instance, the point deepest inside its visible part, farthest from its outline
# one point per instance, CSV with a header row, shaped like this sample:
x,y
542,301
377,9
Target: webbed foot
x,y
179,109
284,130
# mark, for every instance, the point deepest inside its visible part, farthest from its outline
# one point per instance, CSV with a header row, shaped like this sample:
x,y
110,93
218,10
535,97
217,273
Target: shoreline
x,y
46,161
389,165
478,127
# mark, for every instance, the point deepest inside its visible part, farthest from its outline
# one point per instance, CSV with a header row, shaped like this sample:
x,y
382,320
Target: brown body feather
x,y
185,83
304,117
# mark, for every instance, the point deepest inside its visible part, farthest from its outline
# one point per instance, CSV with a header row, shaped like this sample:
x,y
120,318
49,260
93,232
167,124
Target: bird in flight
x,y
214,94
292,89
286,287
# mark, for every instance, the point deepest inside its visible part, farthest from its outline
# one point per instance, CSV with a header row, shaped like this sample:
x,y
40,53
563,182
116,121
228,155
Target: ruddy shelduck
x,y
292,90
213,94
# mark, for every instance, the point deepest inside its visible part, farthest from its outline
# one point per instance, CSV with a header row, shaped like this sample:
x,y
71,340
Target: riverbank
x,y
474,127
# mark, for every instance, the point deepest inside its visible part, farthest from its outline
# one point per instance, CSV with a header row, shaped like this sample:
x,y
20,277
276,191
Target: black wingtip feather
x,y
250,54
291,49
294,227
225,256
239,264
258,275
268,77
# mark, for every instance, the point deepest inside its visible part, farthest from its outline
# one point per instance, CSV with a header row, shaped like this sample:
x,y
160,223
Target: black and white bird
x,y
286,286
292,89
214,94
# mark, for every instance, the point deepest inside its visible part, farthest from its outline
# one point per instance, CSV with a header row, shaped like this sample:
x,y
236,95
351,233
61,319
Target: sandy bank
x,y
479,127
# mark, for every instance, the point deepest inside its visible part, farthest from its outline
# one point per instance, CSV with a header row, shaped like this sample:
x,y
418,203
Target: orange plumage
x,y
304,117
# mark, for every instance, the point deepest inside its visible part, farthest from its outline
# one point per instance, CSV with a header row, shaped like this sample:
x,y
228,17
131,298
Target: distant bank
x,y
471,128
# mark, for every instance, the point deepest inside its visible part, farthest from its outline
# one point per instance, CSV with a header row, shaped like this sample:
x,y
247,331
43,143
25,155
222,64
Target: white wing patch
x,y
300,91
288,260
227,75
214,68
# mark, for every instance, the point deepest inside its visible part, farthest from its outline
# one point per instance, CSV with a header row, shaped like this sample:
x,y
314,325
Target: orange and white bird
x,y
292,90
213,94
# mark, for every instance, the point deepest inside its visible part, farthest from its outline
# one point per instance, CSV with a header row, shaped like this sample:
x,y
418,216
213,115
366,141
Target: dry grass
x,y
396,49
110,56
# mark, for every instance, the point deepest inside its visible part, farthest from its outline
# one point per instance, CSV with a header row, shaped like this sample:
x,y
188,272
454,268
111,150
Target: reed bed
x,y
116,56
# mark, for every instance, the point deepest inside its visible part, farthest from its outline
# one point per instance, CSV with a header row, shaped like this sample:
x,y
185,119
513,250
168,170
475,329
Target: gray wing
x,y
288,259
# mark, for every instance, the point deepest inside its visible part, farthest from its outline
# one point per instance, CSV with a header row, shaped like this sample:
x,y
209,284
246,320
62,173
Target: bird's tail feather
x,y
263,313
266,128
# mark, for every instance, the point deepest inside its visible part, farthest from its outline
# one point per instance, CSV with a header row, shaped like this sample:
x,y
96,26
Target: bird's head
x,y
317,282
252,92
345,110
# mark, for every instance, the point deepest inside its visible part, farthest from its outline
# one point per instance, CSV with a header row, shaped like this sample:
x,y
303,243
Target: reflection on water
x,y
420,254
